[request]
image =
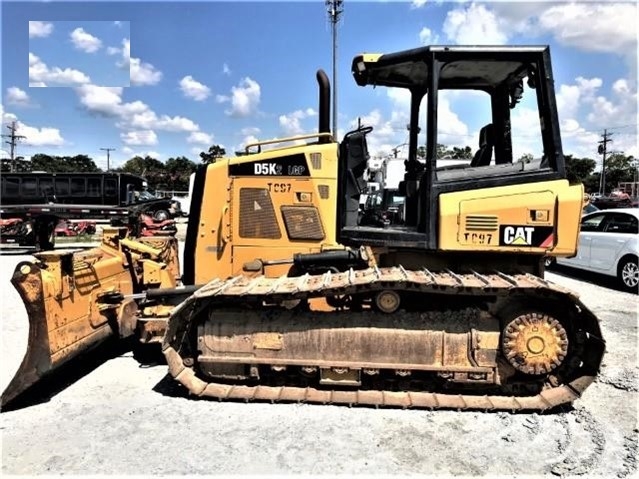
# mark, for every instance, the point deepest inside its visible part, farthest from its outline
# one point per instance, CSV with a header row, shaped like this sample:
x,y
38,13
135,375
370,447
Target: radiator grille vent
x,y
302,223
316,160
323,191
482,222
257,216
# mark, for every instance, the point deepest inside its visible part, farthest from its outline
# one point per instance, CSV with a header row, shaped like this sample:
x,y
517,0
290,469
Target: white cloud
x,y
16,96
143,73
584,113
40,29
426,37
474,25
245,98
247,140
147,118
6,116
386,133
526,132
611,27
34,136
85,41
620,109
126,53
291,123
39,73
418,3
107,101
452,130
571,97
194,89
200,138
127,150
577,140
176,123
250,130
225,69
139,138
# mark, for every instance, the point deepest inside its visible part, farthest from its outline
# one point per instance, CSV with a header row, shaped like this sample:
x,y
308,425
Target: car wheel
x,y
161,215
628,274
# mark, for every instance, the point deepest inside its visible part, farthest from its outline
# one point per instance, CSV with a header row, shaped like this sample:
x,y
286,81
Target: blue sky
x,y
172,78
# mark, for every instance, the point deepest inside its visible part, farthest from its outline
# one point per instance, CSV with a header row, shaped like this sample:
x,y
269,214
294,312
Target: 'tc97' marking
x,y
279,187
478,238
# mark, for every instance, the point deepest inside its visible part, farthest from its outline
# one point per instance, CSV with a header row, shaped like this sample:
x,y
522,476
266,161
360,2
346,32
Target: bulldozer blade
x,y
64,317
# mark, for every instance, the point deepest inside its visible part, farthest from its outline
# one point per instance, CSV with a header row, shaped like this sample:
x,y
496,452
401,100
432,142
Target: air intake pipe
x,y
324,104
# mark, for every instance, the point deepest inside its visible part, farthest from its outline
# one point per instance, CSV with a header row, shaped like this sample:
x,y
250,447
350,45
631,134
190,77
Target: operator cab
x,y
507,108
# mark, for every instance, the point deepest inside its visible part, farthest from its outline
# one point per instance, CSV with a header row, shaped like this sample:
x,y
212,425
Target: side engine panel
x,y
540,218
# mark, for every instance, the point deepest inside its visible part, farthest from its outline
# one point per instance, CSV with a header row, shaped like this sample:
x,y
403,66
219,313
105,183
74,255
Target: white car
x,y
608,245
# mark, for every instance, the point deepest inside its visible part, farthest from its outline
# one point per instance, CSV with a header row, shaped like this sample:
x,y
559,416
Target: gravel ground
x,y
118,417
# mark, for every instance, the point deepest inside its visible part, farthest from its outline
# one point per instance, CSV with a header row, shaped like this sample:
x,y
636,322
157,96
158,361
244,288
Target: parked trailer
x,y
39,201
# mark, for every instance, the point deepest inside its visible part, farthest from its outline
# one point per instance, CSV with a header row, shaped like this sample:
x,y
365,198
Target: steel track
x,y
219,293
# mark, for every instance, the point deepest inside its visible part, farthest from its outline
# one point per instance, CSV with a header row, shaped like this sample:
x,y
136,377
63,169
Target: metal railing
x,y
170,193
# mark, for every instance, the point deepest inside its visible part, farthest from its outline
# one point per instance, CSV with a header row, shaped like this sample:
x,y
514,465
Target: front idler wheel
x,y
535,343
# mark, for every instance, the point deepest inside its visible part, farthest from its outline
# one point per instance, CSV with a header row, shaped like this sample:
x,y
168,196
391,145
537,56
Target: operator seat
x,y
486,144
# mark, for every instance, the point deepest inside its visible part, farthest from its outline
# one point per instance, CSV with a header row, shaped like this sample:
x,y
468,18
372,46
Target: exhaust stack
x,y
324,104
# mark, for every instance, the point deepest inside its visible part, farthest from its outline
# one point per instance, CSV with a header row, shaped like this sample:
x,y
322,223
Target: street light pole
x,y
108,150
335,9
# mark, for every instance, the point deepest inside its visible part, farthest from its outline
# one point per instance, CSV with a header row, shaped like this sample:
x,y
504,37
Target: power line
x,y
13,140
108,150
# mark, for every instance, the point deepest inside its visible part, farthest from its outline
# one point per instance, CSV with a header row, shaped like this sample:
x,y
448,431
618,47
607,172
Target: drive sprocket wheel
x,y
535,343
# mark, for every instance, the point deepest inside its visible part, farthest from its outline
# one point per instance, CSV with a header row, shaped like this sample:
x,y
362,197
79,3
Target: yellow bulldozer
x,y
284,296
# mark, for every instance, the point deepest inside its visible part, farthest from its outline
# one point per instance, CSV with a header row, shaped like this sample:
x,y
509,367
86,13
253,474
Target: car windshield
x,y
145,195
590,209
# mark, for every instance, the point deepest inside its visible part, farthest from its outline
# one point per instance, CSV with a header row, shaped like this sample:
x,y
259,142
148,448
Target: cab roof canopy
x,y
478,67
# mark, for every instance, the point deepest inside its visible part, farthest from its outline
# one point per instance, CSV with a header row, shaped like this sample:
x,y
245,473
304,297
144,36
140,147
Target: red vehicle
x,y
69,228
15,231
151,227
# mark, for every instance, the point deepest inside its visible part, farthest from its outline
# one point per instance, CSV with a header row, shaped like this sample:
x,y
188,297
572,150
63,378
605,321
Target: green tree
x,y
150,168
578,170
77,163
21,165
619,168
525,158
211,156
465,153
443,151
179,170
63,164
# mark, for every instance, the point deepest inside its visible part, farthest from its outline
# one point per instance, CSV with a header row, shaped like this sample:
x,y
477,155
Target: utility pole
x,y
602,149
13,140
335,9
108,150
